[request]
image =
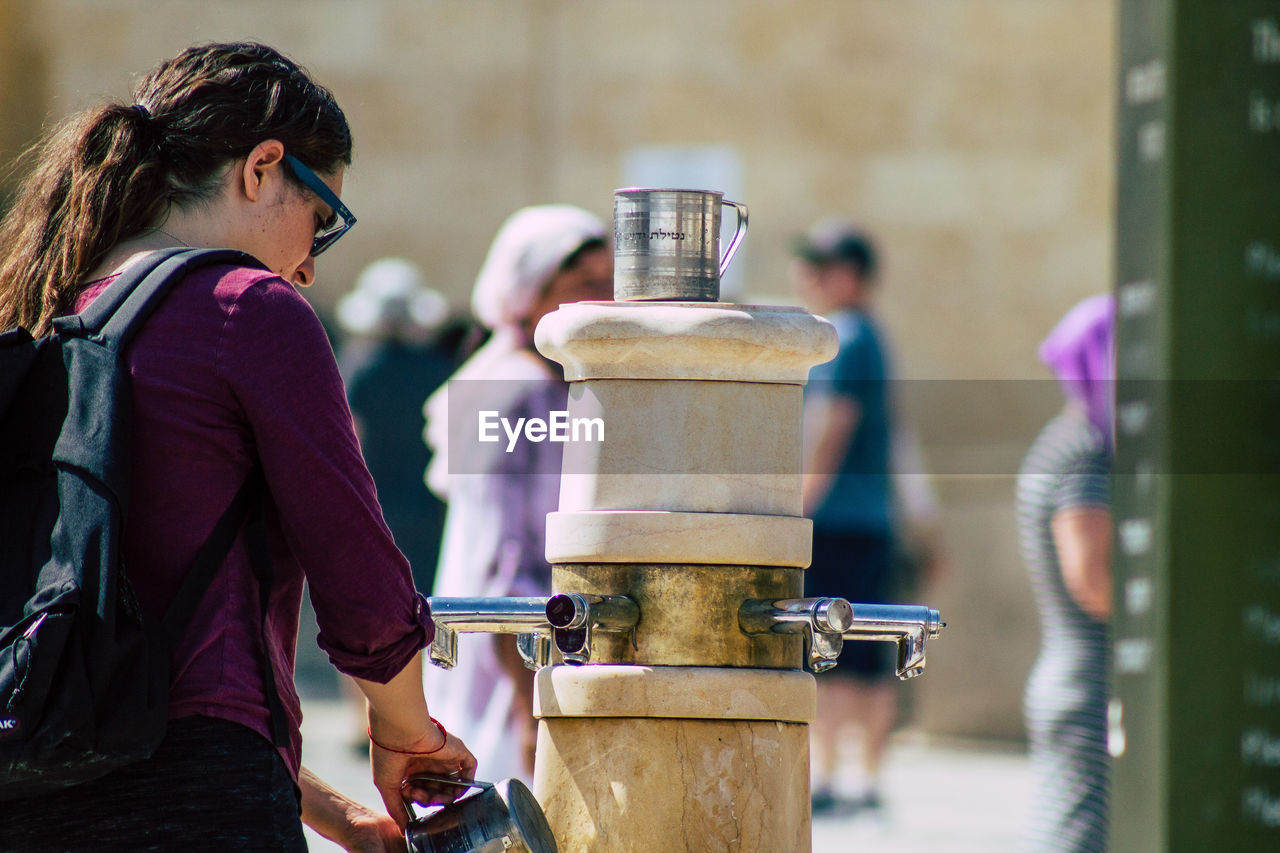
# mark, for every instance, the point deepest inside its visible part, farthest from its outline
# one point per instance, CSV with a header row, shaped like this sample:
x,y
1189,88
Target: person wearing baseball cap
x,y
848,494
833,242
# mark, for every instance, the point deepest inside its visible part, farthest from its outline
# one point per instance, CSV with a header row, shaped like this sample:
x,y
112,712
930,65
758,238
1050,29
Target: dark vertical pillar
x,y
1195,725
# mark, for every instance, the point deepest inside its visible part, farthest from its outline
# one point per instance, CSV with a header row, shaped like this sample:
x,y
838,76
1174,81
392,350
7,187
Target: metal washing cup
x,y
666,244
502,818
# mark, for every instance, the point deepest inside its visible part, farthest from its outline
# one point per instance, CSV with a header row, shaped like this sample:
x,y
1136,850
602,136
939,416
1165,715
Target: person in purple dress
x,y
499,493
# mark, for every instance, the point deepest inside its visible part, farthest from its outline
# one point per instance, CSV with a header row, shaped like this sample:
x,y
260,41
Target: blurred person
x,y
495,528
229,146
1065,530
848,492
393,356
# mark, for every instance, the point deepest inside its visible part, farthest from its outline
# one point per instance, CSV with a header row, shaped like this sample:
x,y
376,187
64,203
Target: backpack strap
x,y
260,559
95,316
121,309
248,504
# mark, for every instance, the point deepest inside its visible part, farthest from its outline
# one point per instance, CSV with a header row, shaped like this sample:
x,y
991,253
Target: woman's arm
x,y
278,364
406,742
830,423
1082,538
352,826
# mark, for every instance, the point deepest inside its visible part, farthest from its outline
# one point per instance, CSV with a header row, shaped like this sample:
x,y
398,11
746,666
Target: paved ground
x,y
941,798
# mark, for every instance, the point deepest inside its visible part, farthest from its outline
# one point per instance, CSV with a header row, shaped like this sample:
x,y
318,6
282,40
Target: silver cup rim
x,y
639,190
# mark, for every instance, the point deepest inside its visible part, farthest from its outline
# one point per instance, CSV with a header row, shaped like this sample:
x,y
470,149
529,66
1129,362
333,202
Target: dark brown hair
x,y
110,173
575,257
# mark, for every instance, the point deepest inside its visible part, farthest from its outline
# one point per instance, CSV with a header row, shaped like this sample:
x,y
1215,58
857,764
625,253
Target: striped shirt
x,y
1067,467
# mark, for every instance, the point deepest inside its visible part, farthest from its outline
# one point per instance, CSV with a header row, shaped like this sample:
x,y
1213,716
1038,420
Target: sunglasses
x,y
342,220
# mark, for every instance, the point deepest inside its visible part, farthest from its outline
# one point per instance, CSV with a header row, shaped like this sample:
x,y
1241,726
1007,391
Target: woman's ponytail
x,y
98,180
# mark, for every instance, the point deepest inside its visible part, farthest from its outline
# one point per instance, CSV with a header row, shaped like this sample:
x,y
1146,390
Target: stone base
x,y
674,759
666,786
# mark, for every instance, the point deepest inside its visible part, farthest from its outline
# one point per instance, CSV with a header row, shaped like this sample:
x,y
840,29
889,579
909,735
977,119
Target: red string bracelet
x,y
444,734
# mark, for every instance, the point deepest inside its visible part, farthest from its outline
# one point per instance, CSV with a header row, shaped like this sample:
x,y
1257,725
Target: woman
x,y
1065,529
495,527
227,145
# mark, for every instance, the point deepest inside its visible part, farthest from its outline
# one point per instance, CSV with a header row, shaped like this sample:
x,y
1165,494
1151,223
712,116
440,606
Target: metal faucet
x,y
908,625
574,616
524,617
823,621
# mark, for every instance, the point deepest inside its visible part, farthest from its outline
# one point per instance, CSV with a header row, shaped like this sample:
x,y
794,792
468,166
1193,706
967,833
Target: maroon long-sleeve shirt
x,y
232,369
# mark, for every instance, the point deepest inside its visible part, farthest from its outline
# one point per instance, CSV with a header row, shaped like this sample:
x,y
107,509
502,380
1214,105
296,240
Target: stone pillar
x,y
685,734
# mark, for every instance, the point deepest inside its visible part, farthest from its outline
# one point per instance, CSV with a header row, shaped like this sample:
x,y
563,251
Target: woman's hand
x,y
345,822
407,741
370,832
437,753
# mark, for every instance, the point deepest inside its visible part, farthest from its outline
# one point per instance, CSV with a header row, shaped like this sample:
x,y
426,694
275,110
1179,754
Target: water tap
x,y
574,616
524,617
822,621
908,625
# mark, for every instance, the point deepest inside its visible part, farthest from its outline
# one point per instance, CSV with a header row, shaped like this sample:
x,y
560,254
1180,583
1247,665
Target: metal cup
x,y
502,818
666,244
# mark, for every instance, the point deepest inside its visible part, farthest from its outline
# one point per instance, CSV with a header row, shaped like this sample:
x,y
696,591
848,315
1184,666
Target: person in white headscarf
x,y
499,492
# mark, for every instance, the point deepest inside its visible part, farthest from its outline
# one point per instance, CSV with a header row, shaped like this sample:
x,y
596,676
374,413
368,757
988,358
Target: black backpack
x,y
84,679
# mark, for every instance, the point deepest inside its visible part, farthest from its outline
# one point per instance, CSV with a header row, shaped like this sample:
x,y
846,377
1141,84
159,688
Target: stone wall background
x,y
974,137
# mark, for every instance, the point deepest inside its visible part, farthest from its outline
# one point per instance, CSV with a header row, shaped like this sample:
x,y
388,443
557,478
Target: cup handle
x,y
738,234
430,777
